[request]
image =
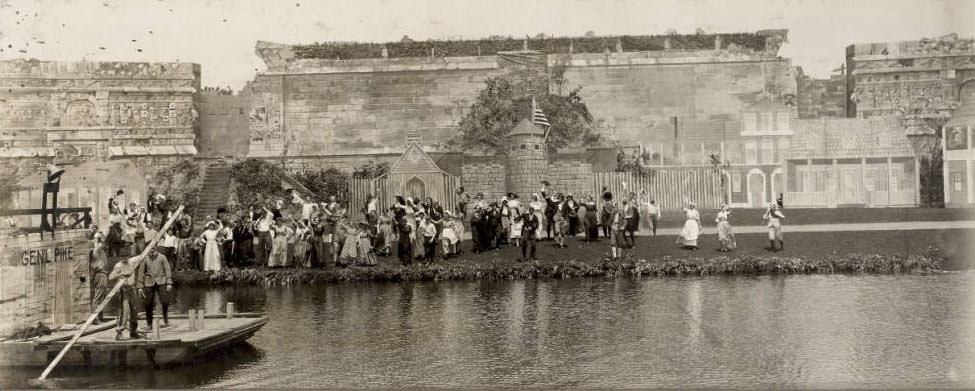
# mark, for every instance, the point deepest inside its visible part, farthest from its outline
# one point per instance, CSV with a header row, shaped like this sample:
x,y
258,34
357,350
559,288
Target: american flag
x,y
538,117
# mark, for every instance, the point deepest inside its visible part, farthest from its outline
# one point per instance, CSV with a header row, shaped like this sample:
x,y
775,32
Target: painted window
x,y
751,153
819,180
750,121
736,183
766,123
957,181
768,151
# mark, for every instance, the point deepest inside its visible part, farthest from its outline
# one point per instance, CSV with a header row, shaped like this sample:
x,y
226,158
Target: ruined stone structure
x,y
74,112
821,98
921,82
110,123
898,78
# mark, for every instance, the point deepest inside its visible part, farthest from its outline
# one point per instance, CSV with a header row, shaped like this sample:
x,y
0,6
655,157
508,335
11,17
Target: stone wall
x,y
224,125
571,177
71,112
336,112
484,177
315,107
638,97
820,98
43,280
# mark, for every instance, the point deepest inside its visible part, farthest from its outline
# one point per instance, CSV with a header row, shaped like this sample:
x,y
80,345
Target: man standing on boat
x,y
154,277
125,270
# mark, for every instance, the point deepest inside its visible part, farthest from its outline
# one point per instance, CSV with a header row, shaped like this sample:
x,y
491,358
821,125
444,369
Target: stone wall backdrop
x,y
44,280
572,177
224,125
310,103
484,177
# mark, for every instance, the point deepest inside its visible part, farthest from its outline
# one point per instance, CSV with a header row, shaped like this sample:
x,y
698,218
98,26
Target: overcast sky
x,y
220,35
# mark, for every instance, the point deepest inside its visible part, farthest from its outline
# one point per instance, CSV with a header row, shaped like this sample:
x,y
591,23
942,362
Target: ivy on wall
x,y
486,47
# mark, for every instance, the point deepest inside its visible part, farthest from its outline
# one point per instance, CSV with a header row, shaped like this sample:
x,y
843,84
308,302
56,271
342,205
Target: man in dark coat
x,y
528,233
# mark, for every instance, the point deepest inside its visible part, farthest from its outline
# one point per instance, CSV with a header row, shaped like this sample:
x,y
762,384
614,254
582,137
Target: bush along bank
x,y
499,270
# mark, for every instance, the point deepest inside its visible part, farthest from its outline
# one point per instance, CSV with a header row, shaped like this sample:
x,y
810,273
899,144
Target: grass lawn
x,y
957,244
675,219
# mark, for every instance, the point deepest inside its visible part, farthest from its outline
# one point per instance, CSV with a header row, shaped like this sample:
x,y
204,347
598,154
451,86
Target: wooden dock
x,y
176,344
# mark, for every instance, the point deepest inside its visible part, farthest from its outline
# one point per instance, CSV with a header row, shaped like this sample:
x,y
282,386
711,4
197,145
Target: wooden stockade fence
x,y
443,191
669,188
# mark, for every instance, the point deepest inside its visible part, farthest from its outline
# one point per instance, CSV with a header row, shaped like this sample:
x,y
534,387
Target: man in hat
x,y
477,218
124,270
529,233
98,263
552,204
632,215
606,214
571,214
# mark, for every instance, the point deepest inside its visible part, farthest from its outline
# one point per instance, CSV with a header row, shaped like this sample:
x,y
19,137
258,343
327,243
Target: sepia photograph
x,y
454,194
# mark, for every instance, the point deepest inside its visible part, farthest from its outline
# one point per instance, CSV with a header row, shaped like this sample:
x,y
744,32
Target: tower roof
x,y
526,127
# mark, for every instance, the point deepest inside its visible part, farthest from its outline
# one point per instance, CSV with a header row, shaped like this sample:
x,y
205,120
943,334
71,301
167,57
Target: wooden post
x,y
201,315
191,319
155,329
889,175
230,310
917,181
101,307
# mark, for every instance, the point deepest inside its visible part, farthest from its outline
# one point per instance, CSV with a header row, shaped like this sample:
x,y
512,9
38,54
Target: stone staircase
x,y
215,191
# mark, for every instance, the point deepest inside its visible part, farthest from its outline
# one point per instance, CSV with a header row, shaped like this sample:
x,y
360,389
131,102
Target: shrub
x,y
180,183
257,182
325,183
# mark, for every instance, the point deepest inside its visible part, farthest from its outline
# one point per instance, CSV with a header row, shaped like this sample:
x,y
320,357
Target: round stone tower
x,y
527,159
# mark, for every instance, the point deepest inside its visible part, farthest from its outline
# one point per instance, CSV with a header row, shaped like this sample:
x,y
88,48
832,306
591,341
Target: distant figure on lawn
x,y
692,227
774,217
725,234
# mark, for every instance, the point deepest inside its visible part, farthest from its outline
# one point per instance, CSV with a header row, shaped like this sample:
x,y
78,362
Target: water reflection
x,y
781,331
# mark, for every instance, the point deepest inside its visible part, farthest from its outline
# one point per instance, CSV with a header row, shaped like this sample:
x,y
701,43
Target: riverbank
x,y
499,270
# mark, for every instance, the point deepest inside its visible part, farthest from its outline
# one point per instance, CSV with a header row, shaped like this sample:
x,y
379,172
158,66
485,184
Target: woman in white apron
x,y
692,227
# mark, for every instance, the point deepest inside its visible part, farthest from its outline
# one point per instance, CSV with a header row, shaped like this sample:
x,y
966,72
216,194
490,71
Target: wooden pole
x,y
108,297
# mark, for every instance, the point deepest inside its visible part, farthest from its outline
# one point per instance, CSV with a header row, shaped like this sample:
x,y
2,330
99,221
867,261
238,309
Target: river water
x,y
769,331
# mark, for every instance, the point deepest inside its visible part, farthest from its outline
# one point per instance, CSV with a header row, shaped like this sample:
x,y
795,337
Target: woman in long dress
x,y
726,235
692,227
538,206
279,246
386,238
419,250
350,248
302,245
448,237
365,255
211,255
